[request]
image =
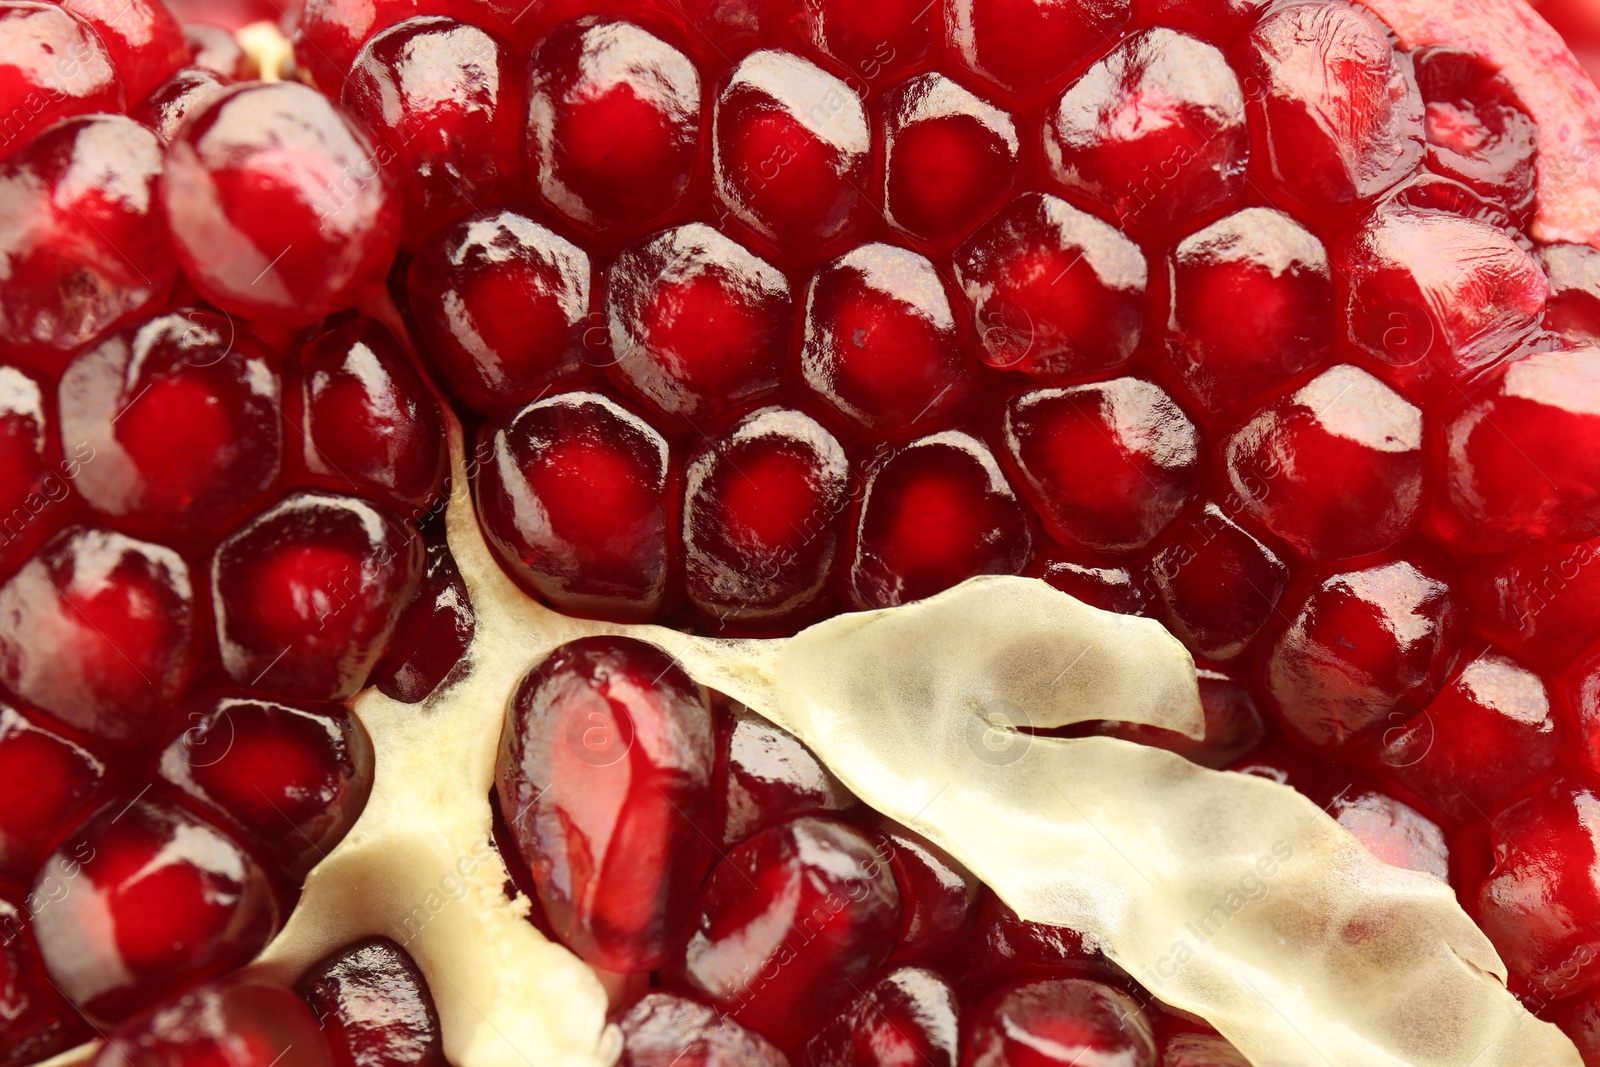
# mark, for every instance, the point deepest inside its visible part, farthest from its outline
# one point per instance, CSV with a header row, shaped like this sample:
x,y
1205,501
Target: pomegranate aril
x,y
1217,584
1478,131
57,68
171,102
83,237
241,1025
574,502
1218,21
1068,1021
667,1030
1335,468
159,901
47,781
280,207
39,1024
938,896
1054,292
1335,115
767,776
215,50
1573,309
143,38
374,1007
1107,466
1004,947
1365,648
605,781
329,33
1541,603
33,490
445,99
1027,47
792,152
1234,727
910,1016
949,158
1153,133
1391,829
698,324
1252,306
501,303
870,41
934,513
308,592
1107,588
183,419
99,631
613,126
1577,695
1426,191
432,635
770,944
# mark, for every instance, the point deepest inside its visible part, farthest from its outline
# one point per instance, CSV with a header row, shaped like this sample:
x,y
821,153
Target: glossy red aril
x,y
374,1007
367,419
500,303
768,776
1477,129
1107,466
934,513
871,41
445,99
308,592
217,51
938,896
99,630
1541,903
1391,829
605,780
1541,603
280,207
792,154
1116,589
1217,584
39,1024
1573,309
1234,727
698,324
221,1026
1366,648
170,103
1218,21
1153,133
614,124
1004,947
574,503
1026,47
433,634
1054,292
182,416
159,900
143,38
32,489
1066,1021
1252,306
1577,695
789,924
1335,115
762,517
1515,459
83,237
911,1016
666,1030
329,33
46,783
1335,468
36,86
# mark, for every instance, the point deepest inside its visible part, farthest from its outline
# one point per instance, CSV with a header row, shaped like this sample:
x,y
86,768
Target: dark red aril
x,y
1217,585
1392,830
47,782
433,634
667,1030
39,1023
1478,130
1026,47
243,1025
1541,603
1115,589
170,103
870,41
34,486
374,1007
938,896
767,776
1068,1021
910,1016
1004,947
36,87
1573,309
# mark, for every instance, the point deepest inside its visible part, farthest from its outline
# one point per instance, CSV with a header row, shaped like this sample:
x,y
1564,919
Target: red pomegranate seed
x,y
934,513
1004,947
308,592
938,896
36,87
605,780
329,33
1335,468
1153,133
170,103
666,1030
1252,306
1514,456
762,518
574,501
39,1024
1426,191
1391,830
1107,588
788,924
99,630
500,302
1573,309
293,780
446,100
792,153
367,419
152,900
1478,131
1067,1021
871,41
1216,583
1577,695
1055,293
432,635
374,1007
1336,116
220,1026
698,324
279,204
33,489
183,419
767,776
1364,646
1027,47
950,158
1541,603
216,50
47,782
83,239
911,1016
1107,466
880,342
613,126
142,37
1234,727
1541,903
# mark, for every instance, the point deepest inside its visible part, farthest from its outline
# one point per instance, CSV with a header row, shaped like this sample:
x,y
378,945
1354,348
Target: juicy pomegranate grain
x,y
605,782
1391,830
938,896
47,782
1234,727
216,50
1573,309
769,776
220,1026
170,102
329,33
666,1030
33,490
1027,47
1477,129
39,1023
871,41
1218,21
1004,947
1577,695
433,634
1540,603
142,37
35,86
1108,588
1216,583
374,1007
1067,1021
909,1017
